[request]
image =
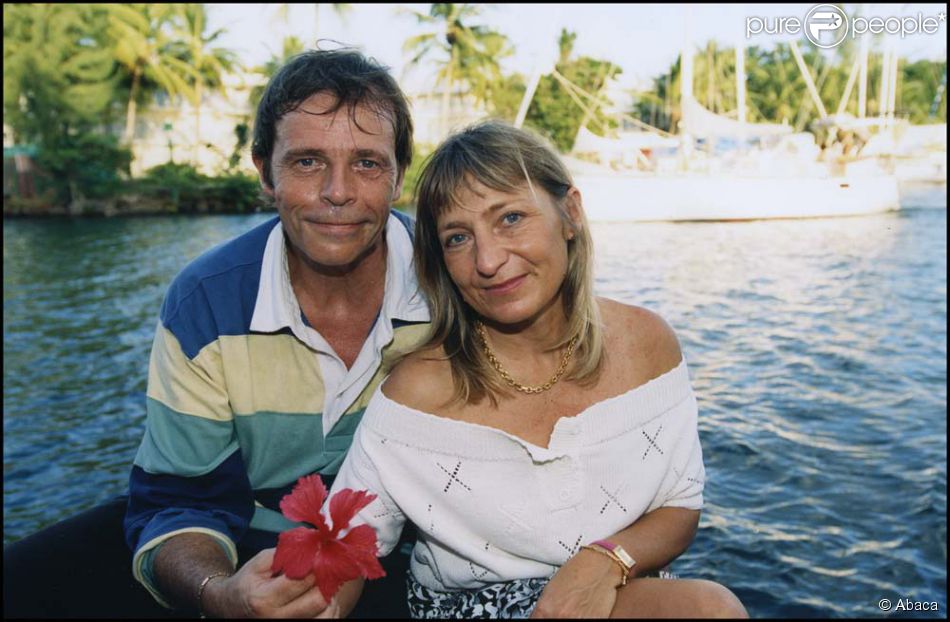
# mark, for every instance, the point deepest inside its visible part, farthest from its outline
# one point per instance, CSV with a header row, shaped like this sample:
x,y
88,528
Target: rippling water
x,y
817,348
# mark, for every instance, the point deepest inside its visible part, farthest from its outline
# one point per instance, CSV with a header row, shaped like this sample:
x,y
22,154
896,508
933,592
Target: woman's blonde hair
x,y
503,158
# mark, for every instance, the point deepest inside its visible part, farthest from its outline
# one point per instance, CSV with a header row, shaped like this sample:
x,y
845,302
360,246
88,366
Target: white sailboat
x,y
917,153
782,177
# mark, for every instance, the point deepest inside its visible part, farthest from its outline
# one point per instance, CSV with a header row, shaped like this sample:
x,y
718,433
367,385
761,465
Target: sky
x,y
644,39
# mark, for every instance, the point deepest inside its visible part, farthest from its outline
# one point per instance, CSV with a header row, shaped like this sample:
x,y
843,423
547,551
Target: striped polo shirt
x,y
244,397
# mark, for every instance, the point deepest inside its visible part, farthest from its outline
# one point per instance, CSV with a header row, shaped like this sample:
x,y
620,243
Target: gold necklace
x,y
480,329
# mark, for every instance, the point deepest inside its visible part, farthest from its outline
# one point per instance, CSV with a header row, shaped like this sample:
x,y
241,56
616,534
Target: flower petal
x,y
333,567
297,549
345,504
361,546
305,501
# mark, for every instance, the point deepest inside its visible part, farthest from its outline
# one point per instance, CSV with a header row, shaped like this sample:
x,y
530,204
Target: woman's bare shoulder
x,y
641,332
422,380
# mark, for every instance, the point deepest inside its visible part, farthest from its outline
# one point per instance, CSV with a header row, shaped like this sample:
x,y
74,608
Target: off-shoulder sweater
x,y
492,507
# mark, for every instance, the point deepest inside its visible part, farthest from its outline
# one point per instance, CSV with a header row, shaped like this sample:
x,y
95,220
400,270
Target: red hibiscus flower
x,y
332,560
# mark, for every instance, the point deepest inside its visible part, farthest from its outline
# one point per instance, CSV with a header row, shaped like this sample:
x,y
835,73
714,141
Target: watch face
x,y
624,556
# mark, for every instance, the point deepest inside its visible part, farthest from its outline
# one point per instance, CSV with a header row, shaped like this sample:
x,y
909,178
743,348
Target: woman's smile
x,y
506,287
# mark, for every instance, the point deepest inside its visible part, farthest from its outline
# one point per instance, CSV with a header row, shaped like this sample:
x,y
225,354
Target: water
x,y
817,348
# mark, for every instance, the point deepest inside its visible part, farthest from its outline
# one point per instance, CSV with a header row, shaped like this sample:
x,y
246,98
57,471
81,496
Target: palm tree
x,y
776,87
56,72
340,8
291,47
469,53
144,48
565,46
209,64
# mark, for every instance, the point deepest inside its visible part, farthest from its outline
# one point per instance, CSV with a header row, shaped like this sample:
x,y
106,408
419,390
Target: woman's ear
x,y
573,207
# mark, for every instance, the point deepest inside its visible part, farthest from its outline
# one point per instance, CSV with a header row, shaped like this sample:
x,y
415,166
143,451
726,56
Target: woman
x,y
543,441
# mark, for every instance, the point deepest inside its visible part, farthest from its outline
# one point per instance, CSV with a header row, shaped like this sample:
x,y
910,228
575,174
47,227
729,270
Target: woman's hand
x,y
584,587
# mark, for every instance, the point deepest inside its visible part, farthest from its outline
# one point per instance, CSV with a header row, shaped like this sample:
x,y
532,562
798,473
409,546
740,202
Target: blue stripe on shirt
x,y
222,500
230,272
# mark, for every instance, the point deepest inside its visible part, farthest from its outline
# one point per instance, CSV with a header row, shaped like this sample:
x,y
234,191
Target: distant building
x,y
426,109
166,130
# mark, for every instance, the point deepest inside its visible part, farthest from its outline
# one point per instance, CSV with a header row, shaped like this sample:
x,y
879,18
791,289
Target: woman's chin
x,y
514,316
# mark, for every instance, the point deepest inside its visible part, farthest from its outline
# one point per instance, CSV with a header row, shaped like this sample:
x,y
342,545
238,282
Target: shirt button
x,y
565,494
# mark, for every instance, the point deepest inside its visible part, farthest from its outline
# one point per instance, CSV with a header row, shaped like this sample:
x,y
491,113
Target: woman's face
x,y
506,251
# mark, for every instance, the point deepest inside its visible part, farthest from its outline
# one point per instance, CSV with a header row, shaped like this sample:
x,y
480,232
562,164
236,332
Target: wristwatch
x,y
618,554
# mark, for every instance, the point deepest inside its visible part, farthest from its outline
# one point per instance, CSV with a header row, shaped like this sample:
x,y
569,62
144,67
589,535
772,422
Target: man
x,y
269,347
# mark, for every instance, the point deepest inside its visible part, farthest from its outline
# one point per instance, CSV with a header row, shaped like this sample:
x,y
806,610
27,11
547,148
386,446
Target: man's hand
x,y
253,592
584,587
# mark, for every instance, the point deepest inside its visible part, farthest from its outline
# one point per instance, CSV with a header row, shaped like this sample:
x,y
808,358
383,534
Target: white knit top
x,y
491,507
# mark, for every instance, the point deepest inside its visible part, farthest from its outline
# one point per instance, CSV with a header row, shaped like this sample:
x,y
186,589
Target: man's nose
x,y
337,186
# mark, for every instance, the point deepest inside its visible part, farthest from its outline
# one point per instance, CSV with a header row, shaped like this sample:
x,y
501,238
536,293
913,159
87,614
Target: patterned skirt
x,y
498,601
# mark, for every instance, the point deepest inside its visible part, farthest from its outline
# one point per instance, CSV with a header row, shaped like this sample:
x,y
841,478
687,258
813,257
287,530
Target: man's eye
x,y
512,217
368,164
307,162
454,240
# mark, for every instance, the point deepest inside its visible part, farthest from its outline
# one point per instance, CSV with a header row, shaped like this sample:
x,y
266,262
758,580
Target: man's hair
x,y
506,159
348,76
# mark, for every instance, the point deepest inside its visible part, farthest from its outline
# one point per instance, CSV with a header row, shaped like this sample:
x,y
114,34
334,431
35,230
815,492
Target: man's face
x,y
333,182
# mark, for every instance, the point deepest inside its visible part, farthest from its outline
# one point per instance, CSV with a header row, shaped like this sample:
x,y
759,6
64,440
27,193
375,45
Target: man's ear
x,y
397,191
259,165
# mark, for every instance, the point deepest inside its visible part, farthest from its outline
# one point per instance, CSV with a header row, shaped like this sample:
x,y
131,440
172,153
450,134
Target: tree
x,y
467,55
59,85
209,64
565,45
56,72
920,89
507,96
777,90
557,112
291,47
144,47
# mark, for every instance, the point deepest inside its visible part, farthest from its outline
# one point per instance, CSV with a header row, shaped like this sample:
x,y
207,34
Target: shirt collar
x,y
277,308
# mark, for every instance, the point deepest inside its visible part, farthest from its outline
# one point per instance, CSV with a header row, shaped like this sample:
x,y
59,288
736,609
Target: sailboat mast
x,y
528,95
686,94
892,92
885,82
686,65
740,89
863,80
809,83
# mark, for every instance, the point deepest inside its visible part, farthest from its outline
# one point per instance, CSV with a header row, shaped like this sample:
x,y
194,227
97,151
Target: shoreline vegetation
x,y
79,79
237,193
168,189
